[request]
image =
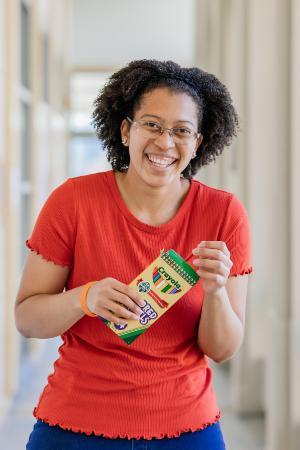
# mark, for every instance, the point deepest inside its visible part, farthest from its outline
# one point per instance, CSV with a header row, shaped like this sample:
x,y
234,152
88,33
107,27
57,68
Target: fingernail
x,y
202,243
195,251
196,261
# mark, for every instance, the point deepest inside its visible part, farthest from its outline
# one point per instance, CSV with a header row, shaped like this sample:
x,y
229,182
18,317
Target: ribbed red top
x,y
161,384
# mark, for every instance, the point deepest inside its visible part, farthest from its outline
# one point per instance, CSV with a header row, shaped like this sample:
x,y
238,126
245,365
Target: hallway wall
x,y
32,153
2,277
254,47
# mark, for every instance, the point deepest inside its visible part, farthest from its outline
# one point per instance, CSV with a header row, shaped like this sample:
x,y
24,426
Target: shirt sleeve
x,y
53,235
236,235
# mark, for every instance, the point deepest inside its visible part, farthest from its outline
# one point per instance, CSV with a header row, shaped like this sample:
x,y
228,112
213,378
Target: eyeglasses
x,y
152,130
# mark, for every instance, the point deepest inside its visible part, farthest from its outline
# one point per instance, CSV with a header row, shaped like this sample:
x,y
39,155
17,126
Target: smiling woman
x,y
161,140
159,124
216,117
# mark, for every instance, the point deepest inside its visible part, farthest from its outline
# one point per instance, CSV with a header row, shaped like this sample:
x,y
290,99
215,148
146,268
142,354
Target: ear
x,y
199,141
124,128
197,145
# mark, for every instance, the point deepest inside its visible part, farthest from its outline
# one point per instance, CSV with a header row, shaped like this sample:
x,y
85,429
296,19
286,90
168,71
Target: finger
x,y
120,311
212,265
219,245
108,315
208,276
219,255
127,290
124,303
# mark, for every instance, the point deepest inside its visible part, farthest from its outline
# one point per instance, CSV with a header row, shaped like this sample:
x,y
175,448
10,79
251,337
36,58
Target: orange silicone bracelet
x,y
83,298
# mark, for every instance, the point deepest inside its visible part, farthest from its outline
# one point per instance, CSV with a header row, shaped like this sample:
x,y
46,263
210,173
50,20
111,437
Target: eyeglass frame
x,y
163,129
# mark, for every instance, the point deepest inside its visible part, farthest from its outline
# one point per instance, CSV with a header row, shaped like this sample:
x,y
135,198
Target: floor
x,y
240,433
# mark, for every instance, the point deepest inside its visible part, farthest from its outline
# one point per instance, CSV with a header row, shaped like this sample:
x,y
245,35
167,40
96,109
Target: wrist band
x,y
83,299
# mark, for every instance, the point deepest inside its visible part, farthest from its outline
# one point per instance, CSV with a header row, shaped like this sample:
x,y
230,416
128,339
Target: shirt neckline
x,y
144,226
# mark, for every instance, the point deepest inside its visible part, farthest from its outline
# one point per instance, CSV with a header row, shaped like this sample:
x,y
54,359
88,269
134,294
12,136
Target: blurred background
x,y
54,57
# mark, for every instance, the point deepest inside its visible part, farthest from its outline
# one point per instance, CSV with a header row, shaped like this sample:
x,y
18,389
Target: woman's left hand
x,y
213,265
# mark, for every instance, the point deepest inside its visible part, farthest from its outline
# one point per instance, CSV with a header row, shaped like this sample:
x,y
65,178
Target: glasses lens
x,y
183,135
149,129
152,130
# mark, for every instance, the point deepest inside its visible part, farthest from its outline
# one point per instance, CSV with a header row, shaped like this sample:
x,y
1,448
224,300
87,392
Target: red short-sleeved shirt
x,y
160,385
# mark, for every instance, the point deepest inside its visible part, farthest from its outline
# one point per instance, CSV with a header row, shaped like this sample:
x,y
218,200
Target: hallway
x,y
55,56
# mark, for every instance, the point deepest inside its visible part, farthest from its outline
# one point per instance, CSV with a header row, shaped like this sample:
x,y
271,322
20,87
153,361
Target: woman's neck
x,y
154,205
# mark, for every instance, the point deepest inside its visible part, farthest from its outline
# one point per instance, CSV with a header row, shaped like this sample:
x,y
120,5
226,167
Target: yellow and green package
x,y
161,285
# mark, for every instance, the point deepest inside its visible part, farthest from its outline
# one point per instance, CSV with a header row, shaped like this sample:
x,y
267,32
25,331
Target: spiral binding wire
x,y
177,268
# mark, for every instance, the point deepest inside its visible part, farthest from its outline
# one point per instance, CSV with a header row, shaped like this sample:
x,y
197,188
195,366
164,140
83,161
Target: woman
x,y
159,123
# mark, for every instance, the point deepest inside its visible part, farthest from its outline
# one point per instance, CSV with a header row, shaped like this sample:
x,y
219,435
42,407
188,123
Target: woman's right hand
x,y
114,301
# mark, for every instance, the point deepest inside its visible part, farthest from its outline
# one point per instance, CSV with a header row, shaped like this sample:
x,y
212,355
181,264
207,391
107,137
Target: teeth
x,y
163,162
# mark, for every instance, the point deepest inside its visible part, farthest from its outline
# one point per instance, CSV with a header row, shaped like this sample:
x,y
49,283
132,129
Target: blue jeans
x,y
46,437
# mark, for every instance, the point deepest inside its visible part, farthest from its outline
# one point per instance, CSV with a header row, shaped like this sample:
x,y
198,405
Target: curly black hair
x,y
121,96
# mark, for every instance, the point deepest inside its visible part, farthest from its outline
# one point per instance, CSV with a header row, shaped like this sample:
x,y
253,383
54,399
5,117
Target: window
x,y
25,46
45,68
85,153
25,177
25,144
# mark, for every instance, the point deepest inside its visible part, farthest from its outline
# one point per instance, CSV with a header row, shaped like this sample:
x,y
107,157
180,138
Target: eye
x,y
154,126
183,131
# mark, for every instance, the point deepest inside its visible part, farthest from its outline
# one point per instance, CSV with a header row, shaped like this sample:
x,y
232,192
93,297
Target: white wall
x,y
295,219
113,32
2,296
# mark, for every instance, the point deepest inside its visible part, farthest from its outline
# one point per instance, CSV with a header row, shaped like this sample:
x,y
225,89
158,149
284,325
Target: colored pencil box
x,y
160,285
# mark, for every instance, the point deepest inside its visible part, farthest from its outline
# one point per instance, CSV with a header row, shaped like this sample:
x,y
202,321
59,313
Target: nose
x,y
164,140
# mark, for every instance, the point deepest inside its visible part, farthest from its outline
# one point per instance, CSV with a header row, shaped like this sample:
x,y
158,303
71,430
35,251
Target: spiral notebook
x,y
160,285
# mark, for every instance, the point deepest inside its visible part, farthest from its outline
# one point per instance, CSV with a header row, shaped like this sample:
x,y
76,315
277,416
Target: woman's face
x,y
158,160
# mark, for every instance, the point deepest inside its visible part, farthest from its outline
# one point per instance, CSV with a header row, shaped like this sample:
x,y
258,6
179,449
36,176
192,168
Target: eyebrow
x,y
160,118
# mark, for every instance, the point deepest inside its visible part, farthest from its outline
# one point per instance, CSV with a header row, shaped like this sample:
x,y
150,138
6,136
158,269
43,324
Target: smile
x,y
160,161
